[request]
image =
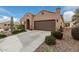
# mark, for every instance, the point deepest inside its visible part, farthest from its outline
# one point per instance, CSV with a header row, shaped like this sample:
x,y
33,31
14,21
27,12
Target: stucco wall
x,y
59,22
26,17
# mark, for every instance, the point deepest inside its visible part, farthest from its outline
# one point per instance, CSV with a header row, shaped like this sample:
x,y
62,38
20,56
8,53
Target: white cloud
x,y
68,15
16,19
70,8
3,18
7,18
69,12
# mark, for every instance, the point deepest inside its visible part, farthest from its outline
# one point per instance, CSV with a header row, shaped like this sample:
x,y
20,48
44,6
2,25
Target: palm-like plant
x,y
12,25
76,16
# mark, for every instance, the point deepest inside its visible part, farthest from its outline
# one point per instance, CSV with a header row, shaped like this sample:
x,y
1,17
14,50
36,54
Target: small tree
x,y
76,16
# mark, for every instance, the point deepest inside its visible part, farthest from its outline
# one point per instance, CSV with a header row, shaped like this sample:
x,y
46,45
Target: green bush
x,y
20,28
50,40
57,34
15,32
2,35
18,31
75,32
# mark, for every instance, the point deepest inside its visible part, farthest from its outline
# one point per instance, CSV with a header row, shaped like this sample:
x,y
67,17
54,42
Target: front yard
x,y
67,44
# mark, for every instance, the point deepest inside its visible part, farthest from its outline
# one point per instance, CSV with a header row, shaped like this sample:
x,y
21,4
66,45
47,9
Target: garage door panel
x,y
44,25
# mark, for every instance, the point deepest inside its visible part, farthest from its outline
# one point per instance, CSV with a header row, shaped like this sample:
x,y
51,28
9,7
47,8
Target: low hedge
x,y
18,31
57,34
50,40
2,35
75,32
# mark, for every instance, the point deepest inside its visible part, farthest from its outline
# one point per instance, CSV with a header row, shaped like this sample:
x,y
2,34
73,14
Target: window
x,y
42,13
4,24
8,24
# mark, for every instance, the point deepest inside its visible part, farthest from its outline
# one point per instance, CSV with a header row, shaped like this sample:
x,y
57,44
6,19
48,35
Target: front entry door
x,y
28,24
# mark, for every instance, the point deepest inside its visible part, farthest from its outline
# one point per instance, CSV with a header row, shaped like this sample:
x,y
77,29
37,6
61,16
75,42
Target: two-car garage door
x,y
48,25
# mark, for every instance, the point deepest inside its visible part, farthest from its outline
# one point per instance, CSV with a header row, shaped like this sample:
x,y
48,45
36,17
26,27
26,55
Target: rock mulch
x,y
67,44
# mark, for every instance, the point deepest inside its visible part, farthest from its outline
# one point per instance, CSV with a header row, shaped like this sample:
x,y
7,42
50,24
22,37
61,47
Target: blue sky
x,y
19,11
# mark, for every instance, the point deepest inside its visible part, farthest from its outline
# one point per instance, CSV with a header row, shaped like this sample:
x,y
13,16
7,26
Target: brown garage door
x,y
48,25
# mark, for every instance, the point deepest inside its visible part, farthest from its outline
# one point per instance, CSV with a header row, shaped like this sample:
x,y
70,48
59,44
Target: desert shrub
x,y
50,40
15,32
18,31
20,28
75,32
2,35
57,34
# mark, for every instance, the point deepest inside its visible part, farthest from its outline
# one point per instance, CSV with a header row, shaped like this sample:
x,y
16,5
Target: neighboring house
x,y
1,30
44,20
5,25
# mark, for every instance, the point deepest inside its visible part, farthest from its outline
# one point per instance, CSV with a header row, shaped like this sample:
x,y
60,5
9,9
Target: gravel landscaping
x,y
67,44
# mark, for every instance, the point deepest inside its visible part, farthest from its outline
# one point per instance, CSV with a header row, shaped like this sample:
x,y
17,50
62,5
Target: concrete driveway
x,y
24,42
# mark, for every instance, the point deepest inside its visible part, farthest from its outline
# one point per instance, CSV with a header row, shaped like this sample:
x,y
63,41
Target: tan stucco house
x,y
5,25
44,20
